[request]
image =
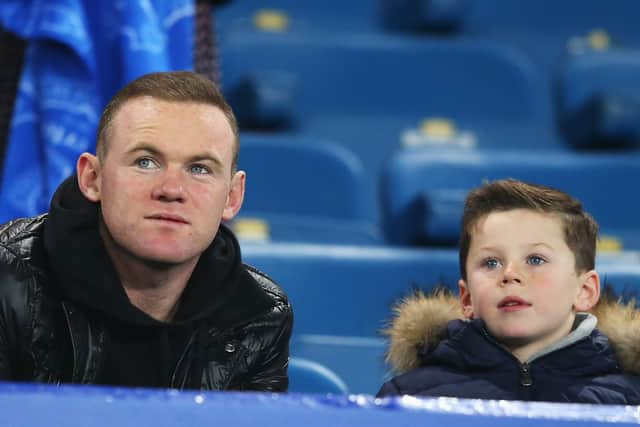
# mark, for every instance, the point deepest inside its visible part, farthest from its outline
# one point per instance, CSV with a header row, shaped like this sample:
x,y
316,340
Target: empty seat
x,y
351,288
599,99
424,190
302,189
342,297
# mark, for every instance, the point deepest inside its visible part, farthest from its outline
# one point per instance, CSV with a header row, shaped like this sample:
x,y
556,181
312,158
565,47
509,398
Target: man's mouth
x,y
169,218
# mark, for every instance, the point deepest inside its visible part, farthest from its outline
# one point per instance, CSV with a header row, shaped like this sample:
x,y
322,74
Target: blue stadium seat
x,y
304,189
342,297
291,175
423,190
307,376
599,99
355,284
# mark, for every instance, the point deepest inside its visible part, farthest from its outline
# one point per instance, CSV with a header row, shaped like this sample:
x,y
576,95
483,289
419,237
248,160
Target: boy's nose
x,y
511,274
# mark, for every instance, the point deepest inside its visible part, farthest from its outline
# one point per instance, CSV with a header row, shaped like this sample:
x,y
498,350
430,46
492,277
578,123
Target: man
x,y
131,279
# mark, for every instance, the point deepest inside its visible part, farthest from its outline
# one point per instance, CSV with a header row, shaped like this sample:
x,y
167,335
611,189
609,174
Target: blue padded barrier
x,y
424,188
599,99
307,376
81,406
342,297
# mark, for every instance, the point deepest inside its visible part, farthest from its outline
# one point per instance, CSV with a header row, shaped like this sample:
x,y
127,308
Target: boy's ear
x,y
465,299
589,291
88,170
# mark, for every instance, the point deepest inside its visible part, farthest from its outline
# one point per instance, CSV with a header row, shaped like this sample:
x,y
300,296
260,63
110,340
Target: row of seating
x,y
314,190
289,79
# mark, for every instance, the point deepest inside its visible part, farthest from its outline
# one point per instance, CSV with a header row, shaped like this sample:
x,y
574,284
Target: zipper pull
x,y
525,375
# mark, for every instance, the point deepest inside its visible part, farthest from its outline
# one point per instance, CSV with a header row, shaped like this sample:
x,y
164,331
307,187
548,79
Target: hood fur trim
x,y
420,321
620,322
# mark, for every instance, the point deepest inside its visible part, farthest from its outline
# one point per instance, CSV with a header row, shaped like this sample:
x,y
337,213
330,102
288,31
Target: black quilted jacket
x,y
47,333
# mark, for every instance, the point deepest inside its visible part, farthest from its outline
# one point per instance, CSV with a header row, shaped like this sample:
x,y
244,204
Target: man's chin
x,y
167,259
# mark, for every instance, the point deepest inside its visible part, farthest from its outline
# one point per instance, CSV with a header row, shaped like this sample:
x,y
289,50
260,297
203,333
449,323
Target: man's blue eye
x,y
199,169
145,163
535,260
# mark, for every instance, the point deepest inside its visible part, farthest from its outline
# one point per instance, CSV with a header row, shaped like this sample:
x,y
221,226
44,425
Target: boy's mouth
x,y
513,303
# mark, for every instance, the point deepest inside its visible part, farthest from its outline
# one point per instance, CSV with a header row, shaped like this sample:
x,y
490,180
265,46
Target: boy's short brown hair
x,y
580,229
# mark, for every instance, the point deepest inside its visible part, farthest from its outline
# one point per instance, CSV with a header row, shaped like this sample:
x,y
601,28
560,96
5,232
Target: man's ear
x,y
589,291
465,299
88,170
235,196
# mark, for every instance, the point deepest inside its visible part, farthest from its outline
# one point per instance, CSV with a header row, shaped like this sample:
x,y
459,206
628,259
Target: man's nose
x,y
170,187
511,274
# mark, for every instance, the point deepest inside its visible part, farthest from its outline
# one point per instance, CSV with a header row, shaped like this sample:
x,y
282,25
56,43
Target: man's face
x,y
165,182
521,279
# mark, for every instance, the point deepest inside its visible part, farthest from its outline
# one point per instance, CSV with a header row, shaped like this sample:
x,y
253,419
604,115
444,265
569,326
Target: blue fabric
x,y
81,406
80,53
469,364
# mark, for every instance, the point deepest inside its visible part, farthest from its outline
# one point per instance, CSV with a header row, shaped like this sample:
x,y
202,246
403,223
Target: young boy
x,y
527,256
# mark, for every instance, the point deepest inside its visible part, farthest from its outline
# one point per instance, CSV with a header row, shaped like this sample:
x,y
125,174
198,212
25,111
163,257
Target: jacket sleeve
x,y
14,315
388,389
270,373
5,364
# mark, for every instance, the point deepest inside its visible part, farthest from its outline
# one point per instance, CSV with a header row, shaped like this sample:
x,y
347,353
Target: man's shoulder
x,y
268,285
21,256
19,237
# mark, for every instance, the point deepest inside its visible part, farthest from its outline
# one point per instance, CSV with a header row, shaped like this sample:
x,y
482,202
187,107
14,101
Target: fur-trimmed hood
x,y
420,322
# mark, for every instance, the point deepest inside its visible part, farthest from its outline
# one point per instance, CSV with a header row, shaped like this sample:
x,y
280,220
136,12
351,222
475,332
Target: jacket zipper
x,y
526,380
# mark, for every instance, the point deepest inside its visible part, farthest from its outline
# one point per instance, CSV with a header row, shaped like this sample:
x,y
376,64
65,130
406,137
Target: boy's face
x,y
521,280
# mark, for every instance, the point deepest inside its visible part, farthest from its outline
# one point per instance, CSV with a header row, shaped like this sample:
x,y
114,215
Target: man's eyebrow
x,y
206,157
195,158
144,147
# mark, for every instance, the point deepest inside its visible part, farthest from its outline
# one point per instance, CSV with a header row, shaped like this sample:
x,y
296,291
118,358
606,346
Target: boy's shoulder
x,y
620,323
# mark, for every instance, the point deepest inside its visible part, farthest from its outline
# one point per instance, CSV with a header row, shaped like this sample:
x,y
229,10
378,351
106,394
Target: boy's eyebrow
x,y
533,244
541,244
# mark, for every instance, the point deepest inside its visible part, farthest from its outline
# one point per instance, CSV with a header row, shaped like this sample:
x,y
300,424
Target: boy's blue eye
x,y
535,260
491,263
